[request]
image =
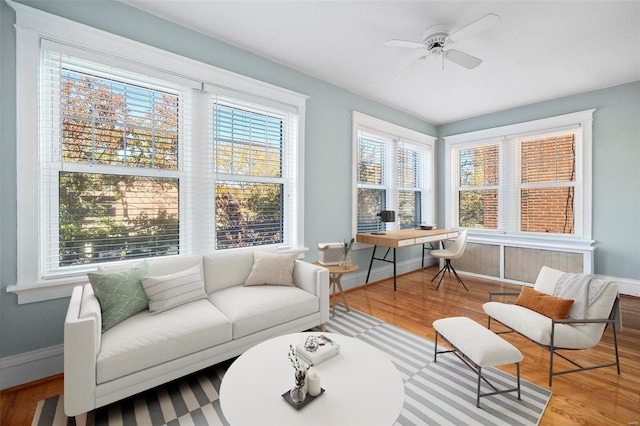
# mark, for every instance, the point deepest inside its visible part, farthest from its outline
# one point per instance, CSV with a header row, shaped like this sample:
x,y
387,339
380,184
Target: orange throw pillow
x,y
545,304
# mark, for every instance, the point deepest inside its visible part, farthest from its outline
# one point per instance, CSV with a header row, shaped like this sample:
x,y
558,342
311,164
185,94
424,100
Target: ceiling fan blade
x,y
405,43
462,59
477,26
410,67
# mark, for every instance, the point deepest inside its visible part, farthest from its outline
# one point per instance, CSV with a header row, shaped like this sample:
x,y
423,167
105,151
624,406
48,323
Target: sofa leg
x,y
81,419
323,327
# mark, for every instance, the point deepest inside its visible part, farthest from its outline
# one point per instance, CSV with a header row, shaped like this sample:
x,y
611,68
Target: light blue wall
x,y
327,158
616,167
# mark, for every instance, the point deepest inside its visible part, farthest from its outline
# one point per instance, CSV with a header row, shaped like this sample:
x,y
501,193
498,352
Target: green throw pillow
x,y
120,293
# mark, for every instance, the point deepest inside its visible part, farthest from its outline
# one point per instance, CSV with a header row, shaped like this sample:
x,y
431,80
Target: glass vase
x,y
297,394
345,262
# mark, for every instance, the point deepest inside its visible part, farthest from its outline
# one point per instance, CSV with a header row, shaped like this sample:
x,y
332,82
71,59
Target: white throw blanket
x,y
583,289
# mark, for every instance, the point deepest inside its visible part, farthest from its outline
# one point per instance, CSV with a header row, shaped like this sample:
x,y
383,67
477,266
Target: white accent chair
x,y
454,251
559,334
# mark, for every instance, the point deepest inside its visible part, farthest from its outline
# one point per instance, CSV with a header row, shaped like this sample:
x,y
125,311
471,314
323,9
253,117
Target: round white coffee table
x,y
362,386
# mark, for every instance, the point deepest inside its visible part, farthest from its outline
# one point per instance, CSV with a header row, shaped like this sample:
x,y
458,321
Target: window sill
x,y
46,290
532,241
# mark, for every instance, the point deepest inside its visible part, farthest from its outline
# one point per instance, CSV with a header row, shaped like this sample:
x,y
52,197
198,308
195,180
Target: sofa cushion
x,y
537,327
545,304
257,308
146,340
168,291
120,293
217,273
271,269
159,265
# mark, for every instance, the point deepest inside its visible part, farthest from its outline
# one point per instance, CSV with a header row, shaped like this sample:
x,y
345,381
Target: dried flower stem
x,y
297,365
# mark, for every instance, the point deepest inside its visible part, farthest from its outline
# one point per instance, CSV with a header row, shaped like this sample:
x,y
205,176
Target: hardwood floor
x,y
18,404
596,397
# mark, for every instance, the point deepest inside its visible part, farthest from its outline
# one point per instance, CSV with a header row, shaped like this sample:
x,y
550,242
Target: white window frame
x,y
508,215
457,187
32,27
395,134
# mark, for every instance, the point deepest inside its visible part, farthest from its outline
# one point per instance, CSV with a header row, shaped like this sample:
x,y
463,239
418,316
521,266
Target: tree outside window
x,y
478,187
112,216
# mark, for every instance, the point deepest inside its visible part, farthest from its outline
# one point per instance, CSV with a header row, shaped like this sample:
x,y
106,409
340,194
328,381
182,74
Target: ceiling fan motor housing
x,y
435,42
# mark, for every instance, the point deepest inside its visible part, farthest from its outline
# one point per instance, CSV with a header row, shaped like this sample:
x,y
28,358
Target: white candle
x,y
313,379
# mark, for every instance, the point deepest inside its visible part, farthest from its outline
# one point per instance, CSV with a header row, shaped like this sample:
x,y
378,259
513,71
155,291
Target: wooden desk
x,y
402,238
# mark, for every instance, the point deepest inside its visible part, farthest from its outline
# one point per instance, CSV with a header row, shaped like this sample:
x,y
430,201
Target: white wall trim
x,y
516,130
626,286
29,366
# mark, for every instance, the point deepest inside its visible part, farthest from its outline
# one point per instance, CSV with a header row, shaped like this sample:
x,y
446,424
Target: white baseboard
x,y
35,365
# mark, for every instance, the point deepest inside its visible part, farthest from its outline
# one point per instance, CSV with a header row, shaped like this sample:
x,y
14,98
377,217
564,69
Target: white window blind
x,y
112,153
393,173
413,182
255,169
373,175
138,167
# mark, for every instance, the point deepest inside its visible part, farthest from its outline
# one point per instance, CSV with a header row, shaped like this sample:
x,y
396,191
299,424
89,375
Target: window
x,y
255,187
478,187
547,183
530,179
373,190
139,161
393,171
111,167
410,183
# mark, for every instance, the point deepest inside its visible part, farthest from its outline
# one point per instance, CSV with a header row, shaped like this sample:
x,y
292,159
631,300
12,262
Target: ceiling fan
x,y
436,37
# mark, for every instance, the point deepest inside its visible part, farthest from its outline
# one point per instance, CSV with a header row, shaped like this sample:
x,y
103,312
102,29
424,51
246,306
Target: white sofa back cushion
x,y
224,269
159,265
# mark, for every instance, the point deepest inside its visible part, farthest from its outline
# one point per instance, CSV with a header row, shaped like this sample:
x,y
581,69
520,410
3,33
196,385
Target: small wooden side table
x,y
335,275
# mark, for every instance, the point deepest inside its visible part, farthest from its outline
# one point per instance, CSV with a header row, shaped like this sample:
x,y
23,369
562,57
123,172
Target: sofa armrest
x,y
315,280
82,336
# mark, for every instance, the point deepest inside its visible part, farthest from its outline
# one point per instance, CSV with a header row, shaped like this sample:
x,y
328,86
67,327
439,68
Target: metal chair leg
x,y
448,268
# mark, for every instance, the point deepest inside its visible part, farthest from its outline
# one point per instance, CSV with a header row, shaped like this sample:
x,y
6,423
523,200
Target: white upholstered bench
x,y
477,347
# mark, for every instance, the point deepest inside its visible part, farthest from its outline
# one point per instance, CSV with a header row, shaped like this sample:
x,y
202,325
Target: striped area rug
x,y
442,393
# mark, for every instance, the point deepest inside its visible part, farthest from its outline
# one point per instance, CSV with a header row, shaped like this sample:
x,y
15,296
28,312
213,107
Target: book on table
x,y
327,349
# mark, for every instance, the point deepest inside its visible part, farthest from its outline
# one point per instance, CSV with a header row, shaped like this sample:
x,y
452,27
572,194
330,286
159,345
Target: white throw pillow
x,y
271,269
168,291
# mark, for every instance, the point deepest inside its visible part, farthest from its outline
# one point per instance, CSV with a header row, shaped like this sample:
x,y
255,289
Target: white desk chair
x,y
454,251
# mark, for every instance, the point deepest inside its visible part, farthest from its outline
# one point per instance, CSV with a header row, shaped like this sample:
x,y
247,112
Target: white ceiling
x,y
540,50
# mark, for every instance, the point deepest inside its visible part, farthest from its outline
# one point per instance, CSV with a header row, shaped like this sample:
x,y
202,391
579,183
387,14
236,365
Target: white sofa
x,y
147,350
